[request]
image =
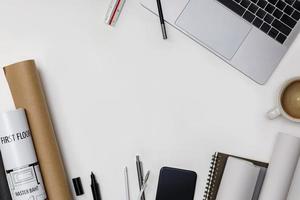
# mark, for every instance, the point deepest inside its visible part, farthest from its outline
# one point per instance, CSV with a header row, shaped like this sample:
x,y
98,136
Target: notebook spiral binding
x,y
209,189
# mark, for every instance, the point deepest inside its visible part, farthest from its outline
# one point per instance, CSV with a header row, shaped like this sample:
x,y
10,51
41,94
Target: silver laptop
x,y
250,35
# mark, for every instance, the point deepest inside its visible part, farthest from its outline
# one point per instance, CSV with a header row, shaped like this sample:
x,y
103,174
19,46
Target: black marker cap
x,y
78,186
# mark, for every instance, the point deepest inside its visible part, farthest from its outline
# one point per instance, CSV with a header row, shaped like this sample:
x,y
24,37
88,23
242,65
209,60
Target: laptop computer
x,y
250,35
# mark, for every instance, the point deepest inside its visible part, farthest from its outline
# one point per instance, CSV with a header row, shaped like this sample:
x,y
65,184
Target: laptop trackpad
x,y
214,25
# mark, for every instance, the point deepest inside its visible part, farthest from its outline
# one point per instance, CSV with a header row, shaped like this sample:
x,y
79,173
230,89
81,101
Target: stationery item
x,y
162,20
19,157
176,184
140,173
144,185
281,178
234,178
288,101
114,11
95,188
294,192
239,180
4,189
7,103
127,191
78,186
26,89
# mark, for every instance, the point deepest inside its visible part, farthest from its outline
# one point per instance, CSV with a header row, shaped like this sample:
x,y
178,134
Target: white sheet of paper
x,y
238,181
281,168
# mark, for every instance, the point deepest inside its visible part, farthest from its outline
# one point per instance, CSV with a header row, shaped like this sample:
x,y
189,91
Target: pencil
x,y
126,184
140,174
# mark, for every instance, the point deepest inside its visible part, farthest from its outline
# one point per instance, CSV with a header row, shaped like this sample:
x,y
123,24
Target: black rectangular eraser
x,y
176,184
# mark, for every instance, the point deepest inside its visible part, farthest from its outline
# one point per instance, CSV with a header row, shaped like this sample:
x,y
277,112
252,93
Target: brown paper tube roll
x,y
24,82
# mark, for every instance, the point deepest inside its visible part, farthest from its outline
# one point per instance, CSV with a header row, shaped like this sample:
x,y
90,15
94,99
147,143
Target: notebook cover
x,y
217,168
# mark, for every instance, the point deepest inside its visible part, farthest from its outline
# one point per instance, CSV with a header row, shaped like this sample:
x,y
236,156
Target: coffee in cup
x,y
288,101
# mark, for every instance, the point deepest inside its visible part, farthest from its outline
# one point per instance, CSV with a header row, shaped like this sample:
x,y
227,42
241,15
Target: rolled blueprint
x,y
281,169
6,103
19,158
26,89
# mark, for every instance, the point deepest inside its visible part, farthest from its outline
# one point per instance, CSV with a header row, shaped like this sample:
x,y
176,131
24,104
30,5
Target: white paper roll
x,y
294,192
19,158
282,168
238,181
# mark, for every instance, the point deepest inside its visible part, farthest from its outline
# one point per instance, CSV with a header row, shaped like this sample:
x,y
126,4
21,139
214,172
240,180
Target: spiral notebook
x,y
226,169
236,178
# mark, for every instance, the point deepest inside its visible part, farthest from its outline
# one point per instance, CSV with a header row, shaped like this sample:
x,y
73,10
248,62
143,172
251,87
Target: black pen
x,y
95,188
162,20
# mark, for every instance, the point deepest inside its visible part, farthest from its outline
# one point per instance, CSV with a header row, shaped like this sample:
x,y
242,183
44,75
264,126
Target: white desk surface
x,y
117,92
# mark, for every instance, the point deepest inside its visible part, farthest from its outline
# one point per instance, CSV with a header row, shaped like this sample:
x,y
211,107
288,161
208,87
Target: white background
x,y
117,92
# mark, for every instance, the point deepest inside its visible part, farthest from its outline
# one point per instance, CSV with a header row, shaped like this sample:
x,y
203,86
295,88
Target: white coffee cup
x,y
279,110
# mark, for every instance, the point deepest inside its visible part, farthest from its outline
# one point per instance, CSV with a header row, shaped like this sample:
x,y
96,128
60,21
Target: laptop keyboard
x,y
277,18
